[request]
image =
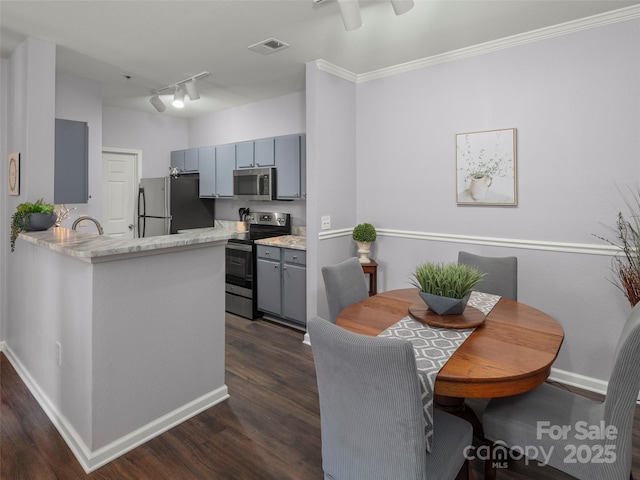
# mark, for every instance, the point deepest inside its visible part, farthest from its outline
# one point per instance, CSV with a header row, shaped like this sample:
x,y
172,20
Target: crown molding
x,y
620,15
336,71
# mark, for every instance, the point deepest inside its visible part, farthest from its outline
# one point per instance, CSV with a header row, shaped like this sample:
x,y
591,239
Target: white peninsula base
x,y
117,347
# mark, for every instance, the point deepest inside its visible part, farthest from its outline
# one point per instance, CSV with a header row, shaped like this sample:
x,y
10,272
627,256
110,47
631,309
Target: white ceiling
x,y
157,43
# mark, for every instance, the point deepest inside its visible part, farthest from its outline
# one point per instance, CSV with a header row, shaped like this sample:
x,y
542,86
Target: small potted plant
x,y
446,288
364,234
31,216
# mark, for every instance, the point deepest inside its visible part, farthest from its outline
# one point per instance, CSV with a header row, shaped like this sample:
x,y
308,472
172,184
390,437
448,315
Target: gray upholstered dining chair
x,y
345,284
534,419
371,416
502,273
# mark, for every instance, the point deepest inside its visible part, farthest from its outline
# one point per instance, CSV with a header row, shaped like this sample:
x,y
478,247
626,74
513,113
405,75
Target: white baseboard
x,y
3,345
306,339
92,460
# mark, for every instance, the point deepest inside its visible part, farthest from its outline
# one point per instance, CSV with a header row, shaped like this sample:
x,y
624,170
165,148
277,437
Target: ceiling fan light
x,y
192,93
350,11
157,103
401,6
178,98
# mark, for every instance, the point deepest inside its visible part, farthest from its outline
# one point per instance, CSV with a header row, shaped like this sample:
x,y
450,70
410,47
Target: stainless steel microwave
x,y
254,184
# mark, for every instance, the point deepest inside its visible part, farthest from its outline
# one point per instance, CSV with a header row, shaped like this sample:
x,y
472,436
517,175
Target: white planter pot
x,y
363,250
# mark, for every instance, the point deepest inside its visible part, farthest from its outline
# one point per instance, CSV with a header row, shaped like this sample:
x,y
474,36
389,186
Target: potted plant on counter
x,y
446,288
364,234
30,217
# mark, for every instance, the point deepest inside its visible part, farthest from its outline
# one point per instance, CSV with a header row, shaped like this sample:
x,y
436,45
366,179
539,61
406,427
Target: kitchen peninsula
x,y
119,340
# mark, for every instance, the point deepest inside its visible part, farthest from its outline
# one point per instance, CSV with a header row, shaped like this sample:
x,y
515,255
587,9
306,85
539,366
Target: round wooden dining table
x,y
511,352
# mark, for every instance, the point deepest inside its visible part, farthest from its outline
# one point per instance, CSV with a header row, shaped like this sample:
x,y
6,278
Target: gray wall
x,y
574,102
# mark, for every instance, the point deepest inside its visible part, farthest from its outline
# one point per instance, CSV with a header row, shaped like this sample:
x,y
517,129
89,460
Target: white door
x,y
120,177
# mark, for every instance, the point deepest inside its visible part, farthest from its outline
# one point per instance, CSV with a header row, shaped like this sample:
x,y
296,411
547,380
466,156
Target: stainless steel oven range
x,y
241,293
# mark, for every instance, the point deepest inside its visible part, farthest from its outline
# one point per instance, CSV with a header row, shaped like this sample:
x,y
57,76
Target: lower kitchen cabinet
x,y
282,283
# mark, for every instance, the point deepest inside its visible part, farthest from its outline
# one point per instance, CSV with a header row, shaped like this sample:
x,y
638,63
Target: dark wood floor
x,y
268,429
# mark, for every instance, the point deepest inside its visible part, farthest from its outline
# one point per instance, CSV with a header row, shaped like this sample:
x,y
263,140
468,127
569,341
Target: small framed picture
x,y
486,168
14,174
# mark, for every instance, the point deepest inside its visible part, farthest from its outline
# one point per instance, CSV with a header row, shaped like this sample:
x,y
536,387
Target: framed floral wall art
x,y
14,174
486,168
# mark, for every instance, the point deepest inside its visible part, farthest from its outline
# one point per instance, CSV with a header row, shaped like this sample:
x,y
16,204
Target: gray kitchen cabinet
x,y
71,162
264,152
244,155
186,161
282,283
256,153
294,286
207,168
288,162
225,165
269,280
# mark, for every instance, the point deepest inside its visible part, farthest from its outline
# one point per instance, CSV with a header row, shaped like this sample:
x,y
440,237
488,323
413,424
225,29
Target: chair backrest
x,y
622,392
345,284
370,405
502,274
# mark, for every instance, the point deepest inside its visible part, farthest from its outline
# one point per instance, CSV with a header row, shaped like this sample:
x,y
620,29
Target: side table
x,y
371,269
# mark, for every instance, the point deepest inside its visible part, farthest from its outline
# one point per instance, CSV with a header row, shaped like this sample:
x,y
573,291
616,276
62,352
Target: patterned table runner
x,y
433,346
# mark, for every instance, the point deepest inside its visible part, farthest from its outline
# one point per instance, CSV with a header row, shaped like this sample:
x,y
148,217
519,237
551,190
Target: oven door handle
x,y
240,246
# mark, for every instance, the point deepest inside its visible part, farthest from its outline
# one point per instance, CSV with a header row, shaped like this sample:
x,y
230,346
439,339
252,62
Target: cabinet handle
x,y
276,266
295,257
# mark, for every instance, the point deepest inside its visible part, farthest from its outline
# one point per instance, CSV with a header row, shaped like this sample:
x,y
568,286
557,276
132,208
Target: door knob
x,y
131,226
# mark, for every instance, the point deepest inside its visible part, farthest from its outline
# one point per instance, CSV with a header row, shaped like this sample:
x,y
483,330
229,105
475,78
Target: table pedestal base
x,y
457,406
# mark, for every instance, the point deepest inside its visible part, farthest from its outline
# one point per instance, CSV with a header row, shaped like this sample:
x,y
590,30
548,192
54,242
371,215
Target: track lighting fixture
x,y
187,85
192,93
158,104
350,11
178,97
401,6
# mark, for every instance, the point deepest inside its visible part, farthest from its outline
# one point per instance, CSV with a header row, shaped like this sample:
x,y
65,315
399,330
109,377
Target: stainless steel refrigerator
x,y
169,204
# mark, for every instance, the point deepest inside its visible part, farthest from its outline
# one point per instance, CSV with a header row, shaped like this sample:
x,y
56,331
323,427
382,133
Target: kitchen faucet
x,y
87,217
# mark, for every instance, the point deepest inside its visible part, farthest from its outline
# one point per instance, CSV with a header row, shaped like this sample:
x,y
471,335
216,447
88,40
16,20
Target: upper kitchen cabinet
x,y
186,161
264,152
255,154
207,167
225,165
216,171
290,165
71,169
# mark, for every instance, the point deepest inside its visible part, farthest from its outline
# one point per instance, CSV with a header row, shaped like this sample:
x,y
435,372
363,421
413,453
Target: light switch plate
x,y
326,222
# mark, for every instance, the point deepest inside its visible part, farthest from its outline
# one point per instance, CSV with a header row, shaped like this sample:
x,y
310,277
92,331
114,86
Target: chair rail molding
x,y
525,244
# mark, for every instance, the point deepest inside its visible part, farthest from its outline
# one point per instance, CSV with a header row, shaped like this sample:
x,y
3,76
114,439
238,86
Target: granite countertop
x,y
296,242
91,247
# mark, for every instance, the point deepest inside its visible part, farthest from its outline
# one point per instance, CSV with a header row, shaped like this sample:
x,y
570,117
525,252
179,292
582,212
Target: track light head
x,y
190,86
350,11
178,97
401,6
157,103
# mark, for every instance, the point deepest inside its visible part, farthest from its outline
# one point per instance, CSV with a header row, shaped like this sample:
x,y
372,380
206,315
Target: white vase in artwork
x,y
479,187
363,250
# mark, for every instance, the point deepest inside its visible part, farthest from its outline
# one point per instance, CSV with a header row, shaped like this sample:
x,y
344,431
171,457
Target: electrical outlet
x,y
59,353
326,222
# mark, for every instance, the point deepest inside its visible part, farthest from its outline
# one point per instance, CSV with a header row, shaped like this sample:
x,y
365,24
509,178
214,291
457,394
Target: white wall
x,y
331,175
153,133
574,102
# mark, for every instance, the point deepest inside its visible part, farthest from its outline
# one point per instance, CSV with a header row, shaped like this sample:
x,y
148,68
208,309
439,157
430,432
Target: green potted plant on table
x,y
364,234
446,288
30,217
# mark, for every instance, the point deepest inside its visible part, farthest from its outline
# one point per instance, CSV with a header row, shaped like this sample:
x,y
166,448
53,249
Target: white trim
x,y
527,244
620,15
579,381
306,340
91,461
336,71
3,346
